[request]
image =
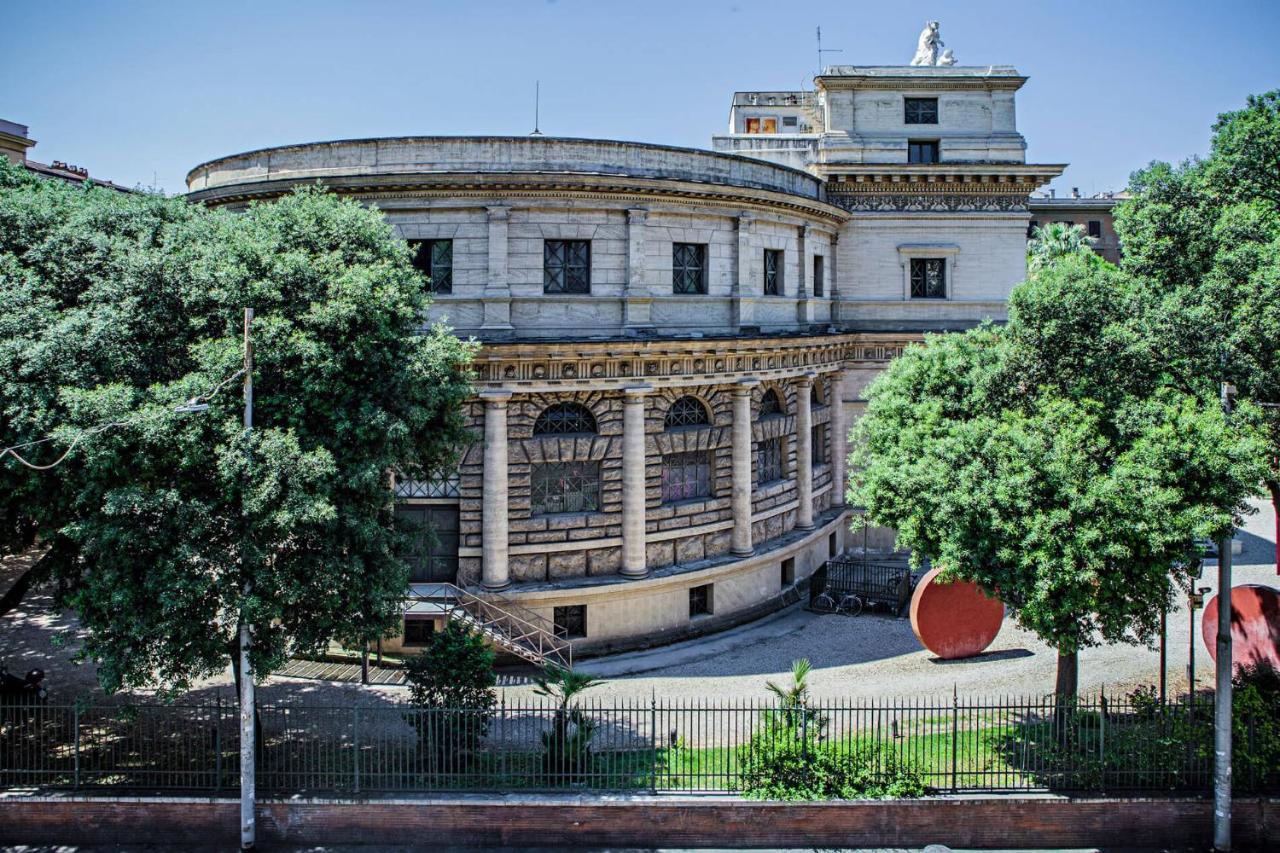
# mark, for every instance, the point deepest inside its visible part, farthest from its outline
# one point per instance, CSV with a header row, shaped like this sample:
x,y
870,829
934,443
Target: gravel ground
x,y
854,657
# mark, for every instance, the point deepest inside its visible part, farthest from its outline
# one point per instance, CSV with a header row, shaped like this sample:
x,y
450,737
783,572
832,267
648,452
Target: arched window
x,y
771,404
815,393
687,412
565,419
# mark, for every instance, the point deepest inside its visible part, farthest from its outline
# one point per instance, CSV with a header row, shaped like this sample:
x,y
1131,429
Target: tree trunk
x,y
1068,676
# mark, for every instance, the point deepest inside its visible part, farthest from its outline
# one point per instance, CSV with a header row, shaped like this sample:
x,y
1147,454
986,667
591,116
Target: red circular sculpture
x,y
954,620
1255,625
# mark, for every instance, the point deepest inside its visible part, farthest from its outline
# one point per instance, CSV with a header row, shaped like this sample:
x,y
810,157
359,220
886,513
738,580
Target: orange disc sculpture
x,y
954,620
1255,625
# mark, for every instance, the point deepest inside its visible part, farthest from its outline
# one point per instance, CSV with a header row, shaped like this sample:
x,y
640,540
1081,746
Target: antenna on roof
x,y
537,106
822,50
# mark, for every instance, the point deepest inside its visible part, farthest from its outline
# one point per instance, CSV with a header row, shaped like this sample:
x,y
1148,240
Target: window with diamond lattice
x,y
688,268
565,419
566,266
928,278
819,442
920,111
769,460
686,412
686,476
435,259
444,487
560,487
771,404
772,272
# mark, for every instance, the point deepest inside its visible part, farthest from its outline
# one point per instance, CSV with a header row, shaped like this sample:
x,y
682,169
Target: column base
x,y
487,588
633,574
806,526
750,552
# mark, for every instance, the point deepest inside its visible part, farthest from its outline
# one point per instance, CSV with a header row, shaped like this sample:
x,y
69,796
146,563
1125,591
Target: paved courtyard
x,y
855,657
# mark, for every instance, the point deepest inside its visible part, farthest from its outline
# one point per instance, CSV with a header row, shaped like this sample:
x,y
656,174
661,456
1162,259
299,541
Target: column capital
x,y
498,211
744,385
807,378
637,214
495,396
637,391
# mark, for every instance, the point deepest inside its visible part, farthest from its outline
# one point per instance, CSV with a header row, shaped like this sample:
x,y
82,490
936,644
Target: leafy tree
x,y
1205,237
452,682
115,308
1056,240
1053,462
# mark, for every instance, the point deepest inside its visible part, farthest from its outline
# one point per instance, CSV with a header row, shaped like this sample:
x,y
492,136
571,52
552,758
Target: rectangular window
x,y
686,476
570,622
819,273
417,631
700,600
789,121
688,268
922,151
769,460
434,258
833,546
1095,229
772,272
566,266
560,487
928,278
819,440
920,111
788,572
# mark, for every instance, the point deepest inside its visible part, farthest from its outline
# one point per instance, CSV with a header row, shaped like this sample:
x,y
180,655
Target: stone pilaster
x,y
742,546
839,439
497,285
494,570
638,301
804,452
634,561
745,281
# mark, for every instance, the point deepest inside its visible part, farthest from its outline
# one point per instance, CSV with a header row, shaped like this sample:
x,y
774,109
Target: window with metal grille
x,y
920,110
560,487
688,268
819,441
443,487
565,419
922,151
700,600
772,272
686,476
686,412
434,258
417,631
570,622
771,404
1095,229
819,283
769,460
566,266
928,278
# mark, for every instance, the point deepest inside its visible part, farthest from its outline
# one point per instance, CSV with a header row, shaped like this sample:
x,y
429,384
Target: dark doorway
x,y
432,558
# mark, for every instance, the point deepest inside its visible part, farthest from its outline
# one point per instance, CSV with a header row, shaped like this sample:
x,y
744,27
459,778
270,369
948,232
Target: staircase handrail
x,y
517,630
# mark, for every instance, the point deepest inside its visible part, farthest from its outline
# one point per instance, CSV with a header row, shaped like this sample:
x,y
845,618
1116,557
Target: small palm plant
x,y
567,747
1053,241
793,700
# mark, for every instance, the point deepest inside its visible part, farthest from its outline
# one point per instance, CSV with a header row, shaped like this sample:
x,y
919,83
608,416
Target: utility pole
x,y
248,822
1222,688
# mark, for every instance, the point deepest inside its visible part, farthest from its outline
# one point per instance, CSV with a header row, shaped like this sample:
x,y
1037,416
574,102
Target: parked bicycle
x,y
846,604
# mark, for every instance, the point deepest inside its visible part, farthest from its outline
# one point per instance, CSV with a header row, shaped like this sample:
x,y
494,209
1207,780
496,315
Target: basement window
x,y
570,622
700,600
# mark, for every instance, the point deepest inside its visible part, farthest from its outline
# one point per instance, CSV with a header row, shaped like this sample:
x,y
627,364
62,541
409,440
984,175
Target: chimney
x,y
1052,192
1075,192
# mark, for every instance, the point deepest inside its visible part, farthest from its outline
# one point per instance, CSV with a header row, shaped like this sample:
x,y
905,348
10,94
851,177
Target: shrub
x,y
451,684
1255,727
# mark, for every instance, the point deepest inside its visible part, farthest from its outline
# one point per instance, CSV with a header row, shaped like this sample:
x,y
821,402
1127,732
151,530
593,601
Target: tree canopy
x,y
1053,461
1204,236
115,308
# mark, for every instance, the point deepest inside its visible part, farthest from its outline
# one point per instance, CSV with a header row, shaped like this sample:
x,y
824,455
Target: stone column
x,y
494,572
839,427
634,559
804,453
496,298
742,546
637,300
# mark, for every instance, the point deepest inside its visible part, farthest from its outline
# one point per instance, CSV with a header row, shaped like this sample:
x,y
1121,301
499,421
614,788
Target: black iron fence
x,y
884,585
952,745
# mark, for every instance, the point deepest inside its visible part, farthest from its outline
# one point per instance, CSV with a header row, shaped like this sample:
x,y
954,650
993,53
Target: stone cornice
x,y
536,367
920,84
485,188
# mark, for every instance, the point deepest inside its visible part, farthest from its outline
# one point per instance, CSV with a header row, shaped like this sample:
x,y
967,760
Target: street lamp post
x,y
1222,688
248,822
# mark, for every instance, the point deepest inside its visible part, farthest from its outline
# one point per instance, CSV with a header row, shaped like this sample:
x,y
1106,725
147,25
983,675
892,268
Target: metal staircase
x,y
507,624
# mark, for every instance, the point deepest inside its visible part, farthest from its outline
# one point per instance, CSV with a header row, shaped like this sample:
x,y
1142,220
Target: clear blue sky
x,y
135,89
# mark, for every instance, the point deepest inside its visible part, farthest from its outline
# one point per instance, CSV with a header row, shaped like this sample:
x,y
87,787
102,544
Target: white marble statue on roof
x,y
929,49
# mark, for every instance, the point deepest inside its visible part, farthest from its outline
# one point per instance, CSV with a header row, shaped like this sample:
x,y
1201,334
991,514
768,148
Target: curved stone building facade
x,y
674,342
